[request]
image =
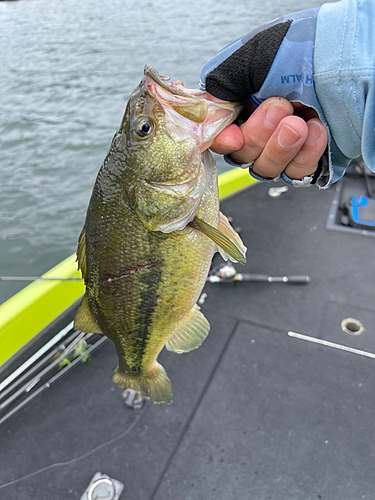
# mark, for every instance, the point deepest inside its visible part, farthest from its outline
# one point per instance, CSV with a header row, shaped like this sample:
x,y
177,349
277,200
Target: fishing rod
x,y
37,378
52,380
35,362
35,278
227,273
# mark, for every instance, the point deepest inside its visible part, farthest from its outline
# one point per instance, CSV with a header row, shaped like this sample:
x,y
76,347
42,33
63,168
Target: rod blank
x,y
35,278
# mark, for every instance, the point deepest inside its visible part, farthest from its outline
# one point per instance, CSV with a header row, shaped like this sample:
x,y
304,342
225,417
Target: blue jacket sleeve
x,y
344,73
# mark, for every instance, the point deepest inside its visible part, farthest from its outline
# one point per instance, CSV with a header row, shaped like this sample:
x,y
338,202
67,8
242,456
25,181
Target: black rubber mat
x,y
283,419
287,236
277,418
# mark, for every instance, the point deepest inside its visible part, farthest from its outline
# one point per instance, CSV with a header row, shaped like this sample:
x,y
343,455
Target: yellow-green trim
x,y
28,312
233,181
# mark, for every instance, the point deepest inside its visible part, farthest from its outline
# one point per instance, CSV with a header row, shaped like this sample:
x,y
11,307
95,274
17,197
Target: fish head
x,y
167,129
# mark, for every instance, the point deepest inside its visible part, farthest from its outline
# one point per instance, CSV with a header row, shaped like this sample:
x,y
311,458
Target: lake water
x,y
67,69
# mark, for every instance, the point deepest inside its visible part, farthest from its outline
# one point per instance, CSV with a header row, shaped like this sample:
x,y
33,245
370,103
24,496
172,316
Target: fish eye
x,y
144,127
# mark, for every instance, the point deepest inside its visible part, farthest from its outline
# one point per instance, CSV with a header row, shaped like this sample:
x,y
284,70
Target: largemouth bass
x,y
152,227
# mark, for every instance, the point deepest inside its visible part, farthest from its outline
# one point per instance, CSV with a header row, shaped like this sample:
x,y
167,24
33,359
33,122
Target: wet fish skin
x,y
144,266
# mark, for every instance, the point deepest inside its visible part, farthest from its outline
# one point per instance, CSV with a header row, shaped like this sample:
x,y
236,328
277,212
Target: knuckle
x,y
273,159
300,166
300,163
254,143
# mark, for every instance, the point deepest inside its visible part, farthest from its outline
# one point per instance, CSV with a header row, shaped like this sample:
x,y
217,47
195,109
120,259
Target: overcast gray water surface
x,y
67,69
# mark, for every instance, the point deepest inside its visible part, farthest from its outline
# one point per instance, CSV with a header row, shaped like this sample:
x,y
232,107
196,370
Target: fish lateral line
x,y
110,278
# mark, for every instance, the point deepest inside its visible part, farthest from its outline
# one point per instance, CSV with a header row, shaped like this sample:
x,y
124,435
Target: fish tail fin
x,y
154,384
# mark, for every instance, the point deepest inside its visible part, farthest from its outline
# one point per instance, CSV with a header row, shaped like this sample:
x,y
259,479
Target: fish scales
x,y
144,266
143,303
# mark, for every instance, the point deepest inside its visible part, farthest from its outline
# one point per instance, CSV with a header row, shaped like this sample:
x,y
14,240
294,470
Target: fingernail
x,y
274,115
287,136
315,131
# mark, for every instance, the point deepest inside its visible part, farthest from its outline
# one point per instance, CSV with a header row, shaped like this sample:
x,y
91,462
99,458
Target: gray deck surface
x,y
256,414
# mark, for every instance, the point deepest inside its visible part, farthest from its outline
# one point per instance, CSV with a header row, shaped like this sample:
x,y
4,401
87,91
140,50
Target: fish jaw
x,y
169,206
191,112
191,195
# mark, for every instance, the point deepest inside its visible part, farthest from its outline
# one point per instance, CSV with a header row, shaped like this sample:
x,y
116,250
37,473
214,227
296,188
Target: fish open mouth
x,y
190,111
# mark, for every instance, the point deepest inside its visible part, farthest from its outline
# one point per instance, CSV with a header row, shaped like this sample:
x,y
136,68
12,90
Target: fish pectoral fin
x,y
225,238
190,333
84,320
225,228
154,385
81,254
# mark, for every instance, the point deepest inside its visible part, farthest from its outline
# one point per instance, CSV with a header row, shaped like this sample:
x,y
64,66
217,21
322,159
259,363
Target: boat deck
x,y
257,413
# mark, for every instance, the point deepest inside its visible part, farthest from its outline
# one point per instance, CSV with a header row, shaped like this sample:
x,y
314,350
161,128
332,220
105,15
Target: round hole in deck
x,y
352,326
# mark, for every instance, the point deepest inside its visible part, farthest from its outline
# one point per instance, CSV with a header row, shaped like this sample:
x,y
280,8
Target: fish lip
x,y
197,95
154,75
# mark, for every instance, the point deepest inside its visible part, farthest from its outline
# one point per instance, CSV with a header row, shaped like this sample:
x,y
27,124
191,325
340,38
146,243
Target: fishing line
x,y
81,457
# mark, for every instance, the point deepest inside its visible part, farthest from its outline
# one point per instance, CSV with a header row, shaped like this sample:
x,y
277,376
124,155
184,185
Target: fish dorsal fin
x,y
190,333
84,321
222,237
81,254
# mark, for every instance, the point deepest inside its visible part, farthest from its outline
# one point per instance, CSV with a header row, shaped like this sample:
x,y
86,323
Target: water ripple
x,y
67,70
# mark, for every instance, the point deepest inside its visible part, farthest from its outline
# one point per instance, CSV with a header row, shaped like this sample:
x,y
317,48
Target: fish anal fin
x,y
81,254
235,253
154,385
190,333
84,320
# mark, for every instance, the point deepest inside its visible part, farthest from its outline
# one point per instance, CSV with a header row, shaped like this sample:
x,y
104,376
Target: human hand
x,y
278,136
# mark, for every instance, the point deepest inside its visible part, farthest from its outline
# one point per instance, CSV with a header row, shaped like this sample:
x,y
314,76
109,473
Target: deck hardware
x,y
352,326
103,487
133,399
275,192
202,299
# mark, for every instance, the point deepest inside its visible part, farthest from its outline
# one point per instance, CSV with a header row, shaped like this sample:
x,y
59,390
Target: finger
x,y
282,147
259,127
229,140
305,161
